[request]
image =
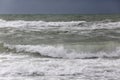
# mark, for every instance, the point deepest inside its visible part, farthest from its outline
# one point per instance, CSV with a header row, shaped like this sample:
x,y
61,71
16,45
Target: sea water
x,y
59,47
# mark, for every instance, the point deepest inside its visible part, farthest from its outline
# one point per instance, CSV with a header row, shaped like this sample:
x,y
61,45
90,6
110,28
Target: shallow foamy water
x,y
14,67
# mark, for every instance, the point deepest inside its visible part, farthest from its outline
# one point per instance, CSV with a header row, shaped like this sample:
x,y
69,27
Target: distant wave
x,y
21,23
62,25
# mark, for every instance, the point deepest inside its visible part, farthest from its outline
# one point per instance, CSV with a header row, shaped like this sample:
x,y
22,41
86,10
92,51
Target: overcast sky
x,y
59,6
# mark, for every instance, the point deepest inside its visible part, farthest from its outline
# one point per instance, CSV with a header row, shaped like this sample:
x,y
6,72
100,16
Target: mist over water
x,y
68,49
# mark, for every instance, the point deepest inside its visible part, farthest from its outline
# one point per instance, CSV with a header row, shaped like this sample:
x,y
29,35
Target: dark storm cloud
x,y
59,6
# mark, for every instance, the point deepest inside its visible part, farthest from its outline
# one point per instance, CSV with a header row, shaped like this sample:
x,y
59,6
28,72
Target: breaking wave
x,y
62,52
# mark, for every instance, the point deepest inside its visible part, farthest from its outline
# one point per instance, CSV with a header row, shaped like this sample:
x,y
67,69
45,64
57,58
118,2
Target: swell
x,y
59,37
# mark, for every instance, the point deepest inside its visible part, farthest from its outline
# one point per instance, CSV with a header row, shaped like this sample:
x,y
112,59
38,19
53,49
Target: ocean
x,y
60,47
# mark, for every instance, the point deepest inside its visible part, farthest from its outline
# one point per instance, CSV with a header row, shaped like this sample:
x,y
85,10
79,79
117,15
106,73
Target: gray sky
x,y
59,6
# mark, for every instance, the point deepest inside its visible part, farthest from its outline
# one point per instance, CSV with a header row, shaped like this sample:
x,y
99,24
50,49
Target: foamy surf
x,y
27,68
62,25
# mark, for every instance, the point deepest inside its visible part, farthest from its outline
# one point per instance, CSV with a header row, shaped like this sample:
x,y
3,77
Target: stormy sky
x,y
59,6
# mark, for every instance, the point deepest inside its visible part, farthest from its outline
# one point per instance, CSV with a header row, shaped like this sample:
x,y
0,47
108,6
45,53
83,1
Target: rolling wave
x,y
60,51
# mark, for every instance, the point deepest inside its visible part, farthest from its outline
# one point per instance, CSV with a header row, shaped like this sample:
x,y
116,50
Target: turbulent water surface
x,y
59,50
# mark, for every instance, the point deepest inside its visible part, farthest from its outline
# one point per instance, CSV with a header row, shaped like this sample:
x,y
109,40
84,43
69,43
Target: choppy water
x,y
59,50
